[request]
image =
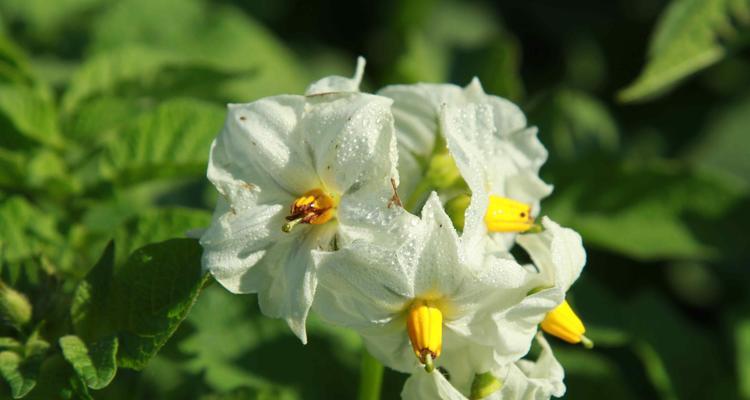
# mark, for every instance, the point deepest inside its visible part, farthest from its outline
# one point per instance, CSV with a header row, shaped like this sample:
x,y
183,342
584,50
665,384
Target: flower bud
x,y
484,385
442,172
456,210
14,306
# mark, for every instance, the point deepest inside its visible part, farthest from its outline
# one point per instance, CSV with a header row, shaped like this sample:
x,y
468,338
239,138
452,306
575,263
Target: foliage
x,y
108,109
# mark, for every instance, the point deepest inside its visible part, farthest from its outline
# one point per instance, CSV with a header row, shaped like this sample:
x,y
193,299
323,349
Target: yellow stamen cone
x,y
565,324
315,207
425,327
506,215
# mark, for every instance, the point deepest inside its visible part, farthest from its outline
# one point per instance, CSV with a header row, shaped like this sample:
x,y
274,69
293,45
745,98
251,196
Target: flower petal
x,y
332,84
290,279
261,145
351,139
422,385
557,252
236,242
537,380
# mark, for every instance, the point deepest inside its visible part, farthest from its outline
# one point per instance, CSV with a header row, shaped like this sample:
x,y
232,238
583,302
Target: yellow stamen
x,y
314,207
425,326
506,215
565,324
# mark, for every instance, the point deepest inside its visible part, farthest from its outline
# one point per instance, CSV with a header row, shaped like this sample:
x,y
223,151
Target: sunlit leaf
x,y
28,112
686,40
93,362
171,141
142,301
647,212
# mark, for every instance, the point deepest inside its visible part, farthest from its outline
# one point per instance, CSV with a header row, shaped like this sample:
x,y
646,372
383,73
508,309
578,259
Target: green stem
x,y
371,377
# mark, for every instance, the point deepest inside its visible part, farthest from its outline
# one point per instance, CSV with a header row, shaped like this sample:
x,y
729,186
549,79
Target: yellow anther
x,y
315,207
425,326
506,215
565,324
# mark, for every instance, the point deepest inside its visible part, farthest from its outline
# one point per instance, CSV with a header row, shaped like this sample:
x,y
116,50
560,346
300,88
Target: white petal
x,y
261,146
237,240
332,84
434,252
422,385
361,285
537,380
290,281
511,329
351,139
416,108
557,252
369,214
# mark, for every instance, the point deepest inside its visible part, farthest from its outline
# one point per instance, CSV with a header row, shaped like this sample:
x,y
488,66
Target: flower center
x,y
314,207
425,327
506,215
565,324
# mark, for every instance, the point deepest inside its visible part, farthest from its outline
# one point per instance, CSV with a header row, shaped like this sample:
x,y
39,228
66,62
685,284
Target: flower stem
x,y
371,377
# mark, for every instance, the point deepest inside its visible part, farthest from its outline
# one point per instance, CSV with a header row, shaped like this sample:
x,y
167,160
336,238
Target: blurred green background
x,y
108,108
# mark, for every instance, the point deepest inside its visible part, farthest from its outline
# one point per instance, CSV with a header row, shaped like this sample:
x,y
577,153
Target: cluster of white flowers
x,y
310,216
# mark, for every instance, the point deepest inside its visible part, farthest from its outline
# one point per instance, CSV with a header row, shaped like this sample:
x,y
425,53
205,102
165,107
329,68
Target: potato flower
x,y
297,174
423,298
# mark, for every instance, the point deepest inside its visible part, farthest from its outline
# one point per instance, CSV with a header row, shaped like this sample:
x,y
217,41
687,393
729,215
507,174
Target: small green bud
x,y
484,385
14,306
442,172
456,209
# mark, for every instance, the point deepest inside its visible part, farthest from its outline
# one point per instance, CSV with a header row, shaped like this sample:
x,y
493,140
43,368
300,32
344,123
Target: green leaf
x,y
142,301
589,373
101,118
21,369
14,66
30,113
173,140
42,19
106,72
574,124
681,360
254,393
28,230
724,141
686,40
647,211
11,369
742,343
95,363
58,380
156,226
220,37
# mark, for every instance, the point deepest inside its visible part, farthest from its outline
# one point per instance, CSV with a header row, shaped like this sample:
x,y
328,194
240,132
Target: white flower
x,y
522,380
426,300
318,167
497,154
